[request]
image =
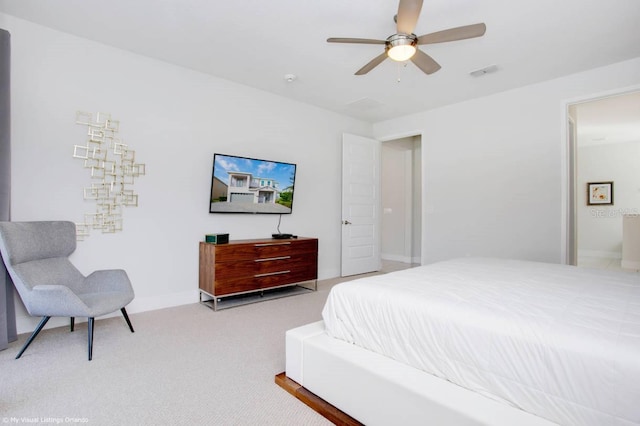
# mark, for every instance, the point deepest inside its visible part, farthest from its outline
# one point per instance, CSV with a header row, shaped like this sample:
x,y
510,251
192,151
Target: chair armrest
x,y
109,280
55,301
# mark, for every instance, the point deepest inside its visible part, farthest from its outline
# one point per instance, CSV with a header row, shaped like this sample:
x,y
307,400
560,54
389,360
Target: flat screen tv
x,y
249,185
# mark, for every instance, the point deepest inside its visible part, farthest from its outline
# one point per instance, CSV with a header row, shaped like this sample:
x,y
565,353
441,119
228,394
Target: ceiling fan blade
x,y
372,64
425,62
453,34
408,13
354,40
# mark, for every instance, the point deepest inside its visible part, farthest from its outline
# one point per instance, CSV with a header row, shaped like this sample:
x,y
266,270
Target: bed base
x,y
327,410
377,390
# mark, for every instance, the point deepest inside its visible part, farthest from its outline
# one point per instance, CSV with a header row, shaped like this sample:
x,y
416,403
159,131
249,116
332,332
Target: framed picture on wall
x,y
599,193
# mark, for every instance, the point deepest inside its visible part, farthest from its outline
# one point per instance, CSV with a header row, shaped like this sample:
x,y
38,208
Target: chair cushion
x,y
52,271
104,303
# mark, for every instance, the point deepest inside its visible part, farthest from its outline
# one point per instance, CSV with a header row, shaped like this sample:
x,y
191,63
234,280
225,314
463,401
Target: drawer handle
x,y
271,273
272,244
272,258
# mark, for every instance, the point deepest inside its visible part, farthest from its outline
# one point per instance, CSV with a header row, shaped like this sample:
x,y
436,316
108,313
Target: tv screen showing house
x,y
250,185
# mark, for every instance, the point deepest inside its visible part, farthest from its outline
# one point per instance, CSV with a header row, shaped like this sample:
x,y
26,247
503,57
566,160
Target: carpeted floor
x,y
183,365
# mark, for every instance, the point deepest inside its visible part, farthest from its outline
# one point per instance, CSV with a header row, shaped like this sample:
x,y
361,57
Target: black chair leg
x,y
41,324
90,338
126,317
73,323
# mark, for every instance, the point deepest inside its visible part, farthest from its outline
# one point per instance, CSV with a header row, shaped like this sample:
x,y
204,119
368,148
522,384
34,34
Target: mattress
x,y
554,340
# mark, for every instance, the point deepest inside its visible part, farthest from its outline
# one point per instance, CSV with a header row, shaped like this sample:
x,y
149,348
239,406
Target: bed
x,y
477,341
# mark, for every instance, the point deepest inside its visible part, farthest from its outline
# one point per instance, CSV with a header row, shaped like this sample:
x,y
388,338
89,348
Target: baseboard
x,y
328,273
630,264
26,323
397,258
151,303
600,254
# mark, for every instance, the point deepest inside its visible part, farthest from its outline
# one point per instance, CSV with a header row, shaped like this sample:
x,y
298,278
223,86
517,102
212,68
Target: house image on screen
x,y
219,190
244,188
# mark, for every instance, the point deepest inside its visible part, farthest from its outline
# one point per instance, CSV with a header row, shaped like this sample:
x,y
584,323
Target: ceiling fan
x,y
402,45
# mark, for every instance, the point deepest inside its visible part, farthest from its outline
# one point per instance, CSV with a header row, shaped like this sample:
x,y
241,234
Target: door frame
x,y
423,193
412,216
567,208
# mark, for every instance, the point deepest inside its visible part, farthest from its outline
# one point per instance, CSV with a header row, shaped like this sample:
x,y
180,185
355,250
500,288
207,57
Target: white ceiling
x,y
257,42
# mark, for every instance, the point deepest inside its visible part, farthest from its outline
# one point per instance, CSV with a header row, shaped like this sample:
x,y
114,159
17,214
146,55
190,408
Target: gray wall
x,y
7,314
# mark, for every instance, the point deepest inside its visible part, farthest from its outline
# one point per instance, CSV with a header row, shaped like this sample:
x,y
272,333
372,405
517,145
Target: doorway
x,y
603,150
401,196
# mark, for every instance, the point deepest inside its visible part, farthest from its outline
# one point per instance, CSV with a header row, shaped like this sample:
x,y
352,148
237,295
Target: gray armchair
x,y
36,257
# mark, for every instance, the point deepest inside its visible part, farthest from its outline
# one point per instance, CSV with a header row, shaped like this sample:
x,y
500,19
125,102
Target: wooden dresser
x,y
249,266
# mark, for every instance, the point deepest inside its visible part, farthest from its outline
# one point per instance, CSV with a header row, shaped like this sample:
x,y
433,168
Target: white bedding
x,y
558,341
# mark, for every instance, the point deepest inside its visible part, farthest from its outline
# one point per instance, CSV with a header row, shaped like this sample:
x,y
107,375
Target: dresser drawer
x,y
262,281
263,249
271,265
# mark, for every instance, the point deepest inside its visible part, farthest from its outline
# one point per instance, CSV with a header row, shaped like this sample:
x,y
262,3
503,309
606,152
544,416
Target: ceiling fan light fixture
x,y
401,53
401,47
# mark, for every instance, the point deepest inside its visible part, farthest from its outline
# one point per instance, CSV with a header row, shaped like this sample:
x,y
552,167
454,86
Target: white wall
x,y
600,227
493,177
175,119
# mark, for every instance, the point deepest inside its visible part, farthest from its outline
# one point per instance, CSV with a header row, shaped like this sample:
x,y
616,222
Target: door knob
x,y
346,222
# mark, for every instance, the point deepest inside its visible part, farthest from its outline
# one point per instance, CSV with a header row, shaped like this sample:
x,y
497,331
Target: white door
x,y
360,205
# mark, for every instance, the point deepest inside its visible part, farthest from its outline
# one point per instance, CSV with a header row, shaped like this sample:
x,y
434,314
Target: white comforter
x,y
554,340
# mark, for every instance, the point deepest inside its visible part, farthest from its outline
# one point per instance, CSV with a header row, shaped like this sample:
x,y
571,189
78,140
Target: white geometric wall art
x,y
113,170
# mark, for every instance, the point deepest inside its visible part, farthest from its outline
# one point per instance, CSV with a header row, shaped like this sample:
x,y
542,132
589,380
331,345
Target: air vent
x,y
483,71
